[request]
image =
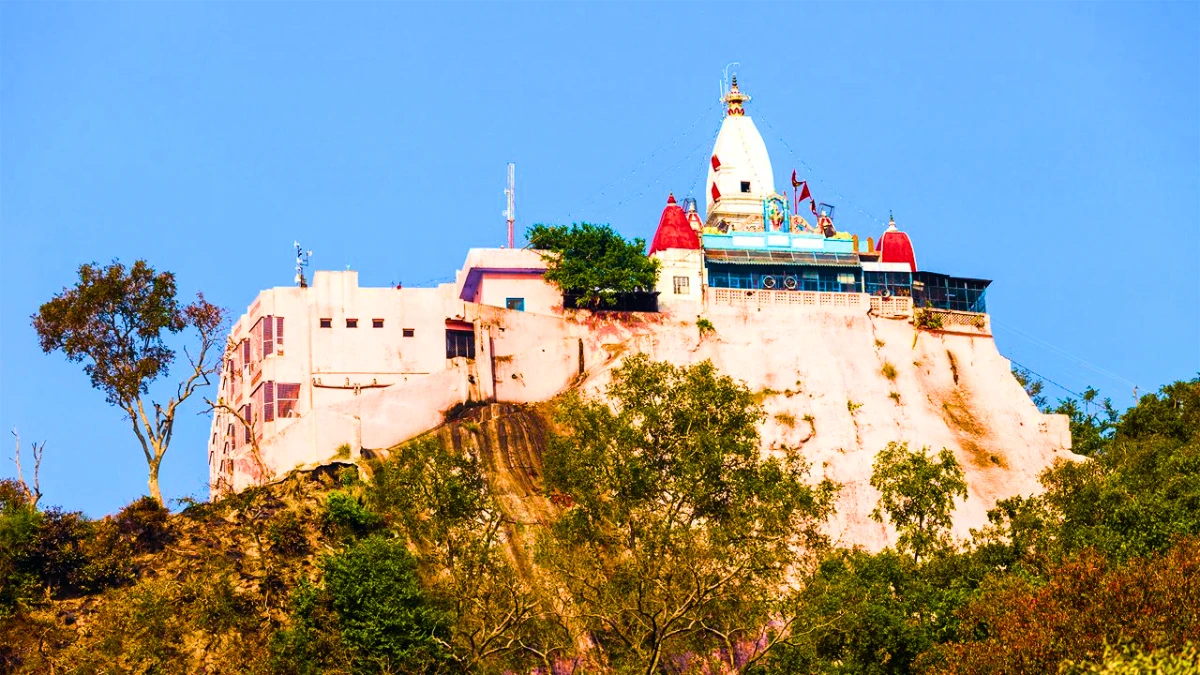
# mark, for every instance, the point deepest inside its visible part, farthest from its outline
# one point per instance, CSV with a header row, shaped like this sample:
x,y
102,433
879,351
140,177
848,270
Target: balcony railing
x,y
953,321
765,298
891,306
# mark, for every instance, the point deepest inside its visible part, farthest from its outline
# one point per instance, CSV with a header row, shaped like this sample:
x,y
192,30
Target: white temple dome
x,y
740,168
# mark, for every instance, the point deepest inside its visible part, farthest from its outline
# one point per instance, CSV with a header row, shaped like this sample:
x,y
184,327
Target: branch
x,y
247,426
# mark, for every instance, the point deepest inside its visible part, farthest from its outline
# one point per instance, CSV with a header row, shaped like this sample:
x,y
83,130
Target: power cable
x,y
1065,354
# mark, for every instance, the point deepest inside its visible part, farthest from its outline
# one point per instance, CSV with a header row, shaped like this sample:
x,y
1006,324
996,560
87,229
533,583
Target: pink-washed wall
x,y
540,297
375,419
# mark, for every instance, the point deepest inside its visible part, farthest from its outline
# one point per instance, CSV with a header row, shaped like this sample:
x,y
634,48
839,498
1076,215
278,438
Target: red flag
x,y
804,193
716,194
795,183
812,204
716,163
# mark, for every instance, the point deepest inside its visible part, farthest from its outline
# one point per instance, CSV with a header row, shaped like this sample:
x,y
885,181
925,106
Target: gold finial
x,y
734,99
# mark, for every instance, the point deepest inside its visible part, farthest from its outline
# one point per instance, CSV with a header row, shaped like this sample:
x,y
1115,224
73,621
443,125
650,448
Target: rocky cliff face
x,y
839,386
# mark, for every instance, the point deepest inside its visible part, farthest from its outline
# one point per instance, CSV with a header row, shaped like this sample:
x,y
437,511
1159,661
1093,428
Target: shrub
x,y
144,524
888,370
705,326
346,516
1130,661
927,319
287,535
311,644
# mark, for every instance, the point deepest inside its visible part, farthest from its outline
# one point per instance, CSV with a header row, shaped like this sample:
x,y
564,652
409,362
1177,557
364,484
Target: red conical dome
x,y
895,247
673,230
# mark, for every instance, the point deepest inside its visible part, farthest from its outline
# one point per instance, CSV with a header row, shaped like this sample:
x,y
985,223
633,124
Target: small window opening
x,y
681,286
745,186
515,303
376,323
460,343
326,323
351,323
407,332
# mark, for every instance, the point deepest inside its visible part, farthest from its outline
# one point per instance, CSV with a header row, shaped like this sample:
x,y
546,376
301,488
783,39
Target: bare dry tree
x,y
32,495
247,424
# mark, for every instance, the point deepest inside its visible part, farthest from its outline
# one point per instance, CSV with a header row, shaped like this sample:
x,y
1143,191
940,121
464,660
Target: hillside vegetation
x,y
643,533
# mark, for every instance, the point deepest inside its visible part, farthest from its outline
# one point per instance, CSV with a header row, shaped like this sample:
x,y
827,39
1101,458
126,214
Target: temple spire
x,y
734,99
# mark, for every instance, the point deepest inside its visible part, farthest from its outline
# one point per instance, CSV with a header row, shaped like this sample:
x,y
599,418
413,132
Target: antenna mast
x,y
510,214
302,257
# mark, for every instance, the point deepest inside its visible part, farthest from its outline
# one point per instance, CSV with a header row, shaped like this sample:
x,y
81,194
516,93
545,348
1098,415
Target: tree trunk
x,y
153,482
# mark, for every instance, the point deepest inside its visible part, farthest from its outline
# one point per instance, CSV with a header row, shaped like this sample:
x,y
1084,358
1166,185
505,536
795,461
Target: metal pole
x,y
510,213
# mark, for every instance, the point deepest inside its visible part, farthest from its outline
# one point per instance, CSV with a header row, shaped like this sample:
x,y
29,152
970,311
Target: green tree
x,y
593,261
115,321
874,613
679,534
1092,421
439,497
917,495
386,622
1143,490
1033,386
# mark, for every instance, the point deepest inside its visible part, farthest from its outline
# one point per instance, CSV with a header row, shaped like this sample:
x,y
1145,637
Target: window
x,y
264,331
326,323
376,323
245,351
351,323
406,332
279,332
460,343
681,285
287,394
845,277
264,399
248,415
515,303
745,186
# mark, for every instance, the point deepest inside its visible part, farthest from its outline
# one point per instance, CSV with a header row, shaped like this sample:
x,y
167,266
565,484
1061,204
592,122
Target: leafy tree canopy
x,y
680,533
115,320
917,495
593,261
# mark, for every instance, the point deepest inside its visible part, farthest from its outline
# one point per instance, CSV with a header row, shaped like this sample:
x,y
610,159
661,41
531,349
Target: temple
x,y
328,370
753,238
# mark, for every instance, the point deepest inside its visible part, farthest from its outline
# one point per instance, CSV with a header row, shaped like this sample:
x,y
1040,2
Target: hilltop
x,y
279,579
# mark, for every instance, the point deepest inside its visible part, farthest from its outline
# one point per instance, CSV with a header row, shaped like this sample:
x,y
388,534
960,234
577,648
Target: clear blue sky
x,y
1054,148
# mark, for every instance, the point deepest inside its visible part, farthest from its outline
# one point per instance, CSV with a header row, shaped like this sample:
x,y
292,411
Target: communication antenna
x,y
510,213
302,257
725,78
